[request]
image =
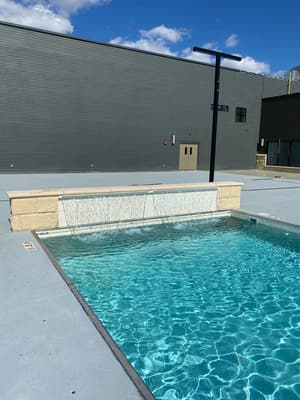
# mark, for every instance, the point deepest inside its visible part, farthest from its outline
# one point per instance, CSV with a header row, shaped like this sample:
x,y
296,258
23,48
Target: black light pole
x,y
218,56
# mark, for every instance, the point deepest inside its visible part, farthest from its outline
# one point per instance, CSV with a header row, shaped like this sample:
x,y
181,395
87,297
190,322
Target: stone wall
x,y
261,161
41,209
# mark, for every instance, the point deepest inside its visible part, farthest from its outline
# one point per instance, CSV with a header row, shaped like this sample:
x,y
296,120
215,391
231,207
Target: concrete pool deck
x,y
49,348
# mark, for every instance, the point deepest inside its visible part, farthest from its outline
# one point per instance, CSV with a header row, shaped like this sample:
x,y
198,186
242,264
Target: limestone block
x,y
32,205
29,222
229,191
223,192
235,191
261,161
228,203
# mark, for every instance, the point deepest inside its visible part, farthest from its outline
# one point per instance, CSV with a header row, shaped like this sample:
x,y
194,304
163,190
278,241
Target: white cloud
x,y
189,54
71,6
232,40
35,15
52,15
162,32
156,40
248,64
211,46
279,74
155,46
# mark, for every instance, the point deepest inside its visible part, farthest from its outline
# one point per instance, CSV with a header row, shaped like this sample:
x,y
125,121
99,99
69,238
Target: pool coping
x,y
266,219
117,352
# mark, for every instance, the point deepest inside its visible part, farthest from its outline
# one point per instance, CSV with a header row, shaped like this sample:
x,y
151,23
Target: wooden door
x,y
188,157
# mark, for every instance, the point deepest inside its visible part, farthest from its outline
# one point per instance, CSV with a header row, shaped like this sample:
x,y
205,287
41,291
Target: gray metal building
x,y
69,104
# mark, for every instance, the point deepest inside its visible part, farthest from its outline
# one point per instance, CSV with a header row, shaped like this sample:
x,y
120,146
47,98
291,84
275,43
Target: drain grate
x,y
28,246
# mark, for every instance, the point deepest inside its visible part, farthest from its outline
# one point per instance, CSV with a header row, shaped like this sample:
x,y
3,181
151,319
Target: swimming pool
x,y
202,310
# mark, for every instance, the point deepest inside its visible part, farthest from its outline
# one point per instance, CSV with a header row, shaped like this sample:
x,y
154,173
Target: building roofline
x,y
81,39
282,96
107,44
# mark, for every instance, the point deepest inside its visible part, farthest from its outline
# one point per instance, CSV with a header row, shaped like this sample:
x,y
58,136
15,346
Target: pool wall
x,y
266,219
48,209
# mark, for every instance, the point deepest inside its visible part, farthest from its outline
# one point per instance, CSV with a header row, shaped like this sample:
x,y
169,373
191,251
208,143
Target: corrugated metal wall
x,y
71,105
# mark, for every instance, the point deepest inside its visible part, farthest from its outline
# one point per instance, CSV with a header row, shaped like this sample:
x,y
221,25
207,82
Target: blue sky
x,y
266,34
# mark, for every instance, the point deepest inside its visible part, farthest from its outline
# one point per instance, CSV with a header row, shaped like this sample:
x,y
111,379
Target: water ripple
x,y
202,310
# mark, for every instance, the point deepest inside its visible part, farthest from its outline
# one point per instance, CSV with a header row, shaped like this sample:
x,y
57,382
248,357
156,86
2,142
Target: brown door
x,y
188,157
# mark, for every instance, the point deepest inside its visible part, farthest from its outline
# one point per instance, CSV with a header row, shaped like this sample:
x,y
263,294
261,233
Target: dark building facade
x,y
69,104
280,133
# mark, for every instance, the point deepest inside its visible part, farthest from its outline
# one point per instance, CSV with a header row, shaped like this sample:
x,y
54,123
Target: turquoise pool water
x,y
202,310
